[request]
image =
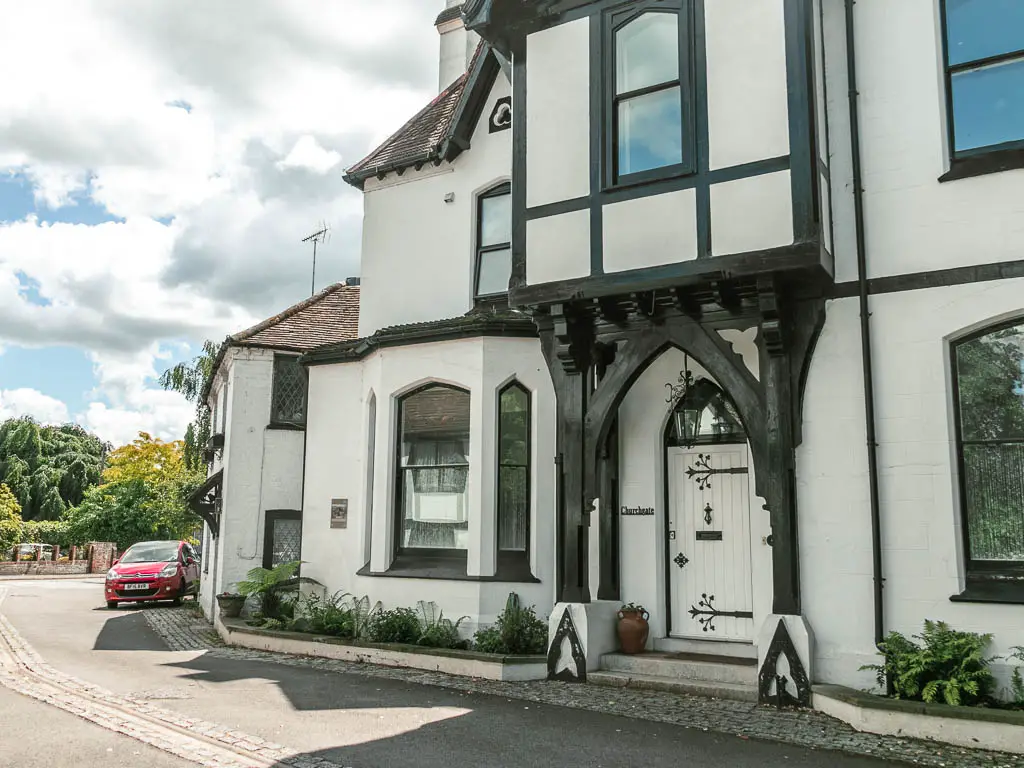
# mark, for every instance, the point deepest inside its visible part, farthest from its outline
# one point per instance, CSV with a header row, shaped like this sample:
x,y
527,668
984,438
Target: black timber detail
x,y
773,687
471,325
598,148
939,278
576,672
802,118
205,501
480,81
700,75
997,161
518,277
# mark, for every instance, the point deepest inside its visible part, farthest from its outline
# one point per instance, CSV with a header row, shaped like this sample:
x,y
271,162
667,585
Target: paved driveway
x,y
348,720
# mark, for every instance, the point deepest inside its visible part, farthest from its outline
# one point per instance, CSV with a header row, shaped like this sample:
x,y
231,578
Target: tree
x,y
49,468
189,379
144,496
10,520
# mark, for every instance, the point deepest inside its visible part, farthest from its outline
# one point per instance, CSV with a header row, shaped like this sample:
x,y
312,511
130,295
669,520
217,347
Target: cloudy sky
x,y
159,164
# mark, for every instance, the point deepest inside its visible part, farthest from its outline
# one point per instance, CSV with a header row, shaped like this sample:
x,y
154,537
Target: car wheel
x,y
181,591
111,605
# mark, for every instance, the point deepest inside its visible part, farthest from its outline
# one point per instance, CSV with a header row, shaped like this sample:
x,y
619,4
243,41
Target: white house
x,y
446,490
252,501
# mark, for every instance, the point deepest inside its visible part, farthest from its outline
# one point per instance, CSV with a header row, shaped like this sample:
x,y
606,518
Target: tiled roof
x,y
475,323
448,14
329,317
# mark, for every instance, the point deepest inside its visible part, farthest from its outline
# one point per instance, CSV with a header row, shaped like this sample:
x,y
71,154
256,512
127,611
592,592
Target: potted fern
x,y
230,604
267,586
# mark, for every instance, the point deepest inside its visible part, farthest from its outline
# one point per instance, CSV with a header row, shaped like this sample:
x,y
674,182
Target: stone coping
x,y
873,701
239,625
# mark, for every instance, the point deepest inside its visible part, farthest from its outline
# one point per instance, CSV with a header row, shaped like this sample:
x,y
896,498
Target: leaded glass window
x,y
989,369
513,469
289,398
434,469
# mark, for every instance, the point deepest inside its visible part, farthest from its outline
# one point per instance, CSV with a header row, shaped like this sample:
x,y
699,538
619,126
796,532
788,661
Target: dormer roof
x,y
440,131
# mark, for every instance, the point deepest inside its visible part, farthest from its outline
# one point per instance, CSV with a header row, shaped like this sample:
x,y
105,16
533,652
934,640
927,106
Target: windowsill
x,y
984,163
287,427
515,566
642,178
992,590
445,567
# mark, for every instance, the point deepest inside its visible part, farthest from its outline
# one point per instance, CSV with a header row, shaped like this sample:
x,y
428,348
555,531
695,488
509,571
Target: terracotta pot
x,y
633,631
230,605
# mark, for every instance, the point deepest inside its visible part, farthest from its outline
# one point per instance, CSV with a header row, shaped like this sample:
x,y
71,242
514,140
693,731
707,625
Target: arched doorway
x,y
710,590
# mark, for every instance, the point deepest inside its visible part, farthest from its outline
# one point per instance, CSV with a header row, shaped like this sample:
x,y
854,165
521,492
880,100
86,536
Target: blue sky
x,y
158,170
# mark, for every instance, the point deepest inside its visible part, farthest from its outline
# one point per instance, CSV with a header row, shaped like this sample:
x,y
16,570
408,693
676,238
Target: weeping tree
x,y
48,469
189,379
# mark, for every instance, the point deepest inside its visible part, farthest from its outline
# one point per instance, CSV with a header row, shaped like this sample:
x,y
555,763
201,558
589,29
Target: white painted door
x,y
710,583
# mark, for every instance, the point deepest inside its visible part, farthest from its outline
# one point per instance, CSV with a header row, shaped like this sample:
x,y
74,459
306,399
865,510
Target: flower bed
x,y
489,666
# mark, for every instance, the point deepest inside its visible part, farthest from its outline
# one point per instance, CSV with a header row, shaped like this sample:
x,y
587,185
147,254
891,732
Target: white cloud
x,y
16,403
307,153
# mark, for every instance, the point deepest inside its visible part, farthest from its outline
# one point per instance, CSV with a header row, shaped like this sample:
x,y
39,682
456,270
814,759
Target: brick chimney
x,y
457,43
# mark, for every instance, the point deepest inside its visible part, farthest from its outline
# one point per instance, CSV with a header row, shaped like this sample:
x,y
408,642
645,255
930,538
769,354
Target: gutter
x,y
865,328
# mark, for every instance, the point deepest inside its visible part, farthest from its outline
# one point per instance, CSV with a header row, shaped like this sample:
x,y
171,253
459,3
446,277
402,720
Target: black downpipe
x,y
865,328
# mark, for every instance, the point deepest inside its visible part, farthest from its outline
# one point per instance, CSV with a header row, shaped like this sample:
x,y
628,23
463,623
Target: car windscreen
x,y
156,552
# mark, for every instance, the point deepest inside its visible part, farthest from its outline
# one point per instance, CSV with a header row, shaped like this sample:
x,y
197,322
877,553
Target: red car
x,y
151,571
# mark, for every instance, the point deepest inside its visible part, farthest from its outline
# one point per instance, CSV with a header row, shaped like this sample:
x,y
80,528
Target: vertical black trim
x,y
597,148
269,517
825,133
608,584
371,470
802,117
699,60
519,179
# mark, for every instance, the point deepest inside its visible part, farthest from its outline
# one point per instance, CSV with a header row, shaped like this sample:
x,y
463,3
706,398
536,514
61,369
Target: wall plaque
x,y
339,513
637,511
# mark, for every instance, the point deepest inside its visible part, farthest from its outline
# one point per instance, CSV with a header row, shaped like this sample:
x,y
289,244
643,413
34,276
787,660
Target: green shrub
x,y
517,632
54,532
399,625
268,586
435,630
949,667
1016,681
340,615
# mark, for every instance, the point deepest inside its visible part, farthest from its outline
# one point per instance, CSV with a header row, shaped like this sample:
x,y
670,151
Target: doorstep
x,y
718,677
487,666
998,730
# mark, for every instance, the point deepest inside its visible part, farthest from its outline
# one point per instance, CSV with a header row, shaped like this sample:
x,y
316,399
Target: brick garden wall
x,y
95,557
44,568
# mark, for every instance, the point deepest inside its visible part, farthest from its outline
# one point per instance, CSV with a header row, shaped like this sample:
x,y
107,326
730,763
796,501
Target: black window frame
x,y
440,560
275,392
513,562
979,160
1000,581
498,190
614,20
269,518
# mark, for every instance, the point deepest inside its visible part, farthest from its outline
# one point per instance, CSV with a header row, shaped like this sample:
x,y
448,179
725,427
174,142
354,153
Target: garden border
x,y
487,666
975,727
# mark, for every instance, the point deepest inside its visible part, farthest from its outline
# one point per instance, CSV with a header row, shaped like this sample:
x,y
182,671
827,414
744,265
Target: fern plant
x,y
435,630
517,631
1016,681
948,667
265,584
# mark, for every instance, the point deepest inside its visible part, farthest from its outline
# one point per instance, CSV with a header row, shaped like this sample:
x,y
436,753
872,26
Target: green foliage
x,y
435,630
1016,680
189,379
49,469
10,521
267,586
517,632
340,615
399,625
948,667
55,532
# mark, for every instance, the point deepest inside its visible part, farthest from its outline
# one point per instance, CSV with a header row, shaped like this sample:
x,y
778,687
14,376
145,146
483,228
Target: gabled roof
x,y
328,317
448,14
440,131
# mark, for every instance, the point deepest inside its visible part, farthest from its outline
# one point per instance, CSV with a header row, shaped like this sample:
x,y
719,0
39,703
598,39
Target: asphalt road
x,y
351,720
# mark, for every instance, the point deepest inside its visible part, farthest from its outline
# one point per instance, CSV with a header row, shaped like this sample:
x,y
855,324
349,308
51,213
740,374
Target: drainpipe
x,y
865,328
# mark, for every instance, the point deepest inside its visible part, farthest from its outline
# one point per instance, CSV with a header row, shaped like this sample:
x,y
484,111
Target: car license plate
x,y
135,586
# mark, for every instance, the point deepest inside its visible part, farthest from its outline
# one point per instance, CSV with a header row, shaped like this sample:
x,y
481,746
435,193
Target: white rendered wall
x,y
751,214
643,415
337,467
748,109
921,538
558,113
649,231
558,247
418,251
914,223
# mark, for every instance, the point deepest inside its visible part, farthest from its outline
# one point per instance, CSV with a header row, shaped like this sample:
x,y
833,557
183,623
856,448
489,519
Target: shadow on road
x,y
128,632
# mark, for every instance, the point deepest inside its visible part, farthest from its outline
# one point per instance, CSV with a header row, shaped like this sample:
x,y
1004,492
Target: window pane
x,y
994,481
989,379
514,428
647,52
988,105
514,501
287,546
435,474
495,272
650,131
495,220
289,406
977,29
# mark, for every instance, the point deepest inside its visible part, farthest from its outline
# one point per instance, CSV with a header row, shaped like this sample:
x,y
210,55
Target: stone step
x,y
732,691
710,647
684,667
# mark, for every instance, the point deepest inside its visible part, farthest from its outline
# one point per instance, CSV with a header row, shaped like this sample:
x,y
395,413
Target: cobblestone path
x,y
24,671
183,629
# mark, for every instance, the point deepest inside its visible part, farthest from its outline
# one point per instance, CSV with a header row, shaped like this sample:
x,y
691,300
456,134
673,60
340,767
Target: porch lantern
x,y
687,411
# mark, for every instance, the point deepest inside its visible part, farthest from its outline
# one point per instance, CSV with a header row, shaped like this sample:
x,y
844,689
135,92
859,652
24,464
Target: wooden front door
x,y
710,584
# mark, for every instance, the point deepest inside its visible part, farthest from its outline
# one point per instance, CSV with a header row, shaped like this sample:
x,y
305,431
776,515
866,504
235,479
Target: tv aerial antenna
x,y
322,235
